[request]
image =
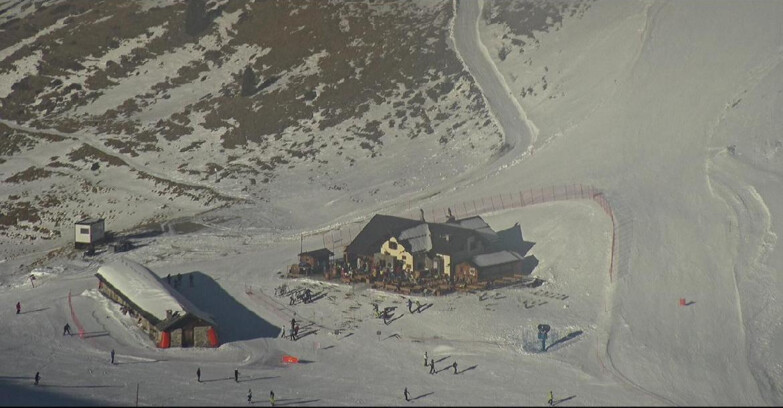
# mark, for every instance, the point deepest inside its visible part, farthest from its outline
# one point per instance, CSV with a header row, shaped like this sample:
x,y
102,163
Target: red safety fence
x,y
337,239
75,318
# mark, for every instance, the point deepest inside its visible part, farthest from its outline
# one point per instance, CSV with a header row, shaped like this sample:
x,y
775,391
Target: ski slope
x,y
670,108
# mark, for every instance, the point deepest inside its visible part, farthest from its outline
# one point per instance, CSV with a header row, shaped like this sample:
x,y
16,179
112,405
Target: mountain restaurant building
x,y
165,315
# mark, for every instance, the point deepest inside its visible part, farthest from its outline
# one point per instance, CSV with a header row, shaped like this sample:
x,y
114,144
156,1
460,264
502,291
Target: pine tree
x,y
248,82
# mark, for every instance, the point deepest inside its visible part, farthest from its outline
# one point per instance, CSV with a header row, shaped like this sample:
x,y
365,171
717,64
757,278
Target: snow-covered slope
x,y
668,108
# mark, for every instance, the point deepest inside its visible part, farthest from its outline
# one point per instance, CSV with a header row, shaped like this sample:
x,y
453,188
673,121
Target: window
x,y
392,245
84,230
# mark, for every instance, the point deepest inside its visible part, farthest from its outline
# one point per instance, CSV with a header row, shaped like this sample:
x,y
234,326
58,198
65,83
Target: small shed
x,y
164,314
487,267
317,260
89,231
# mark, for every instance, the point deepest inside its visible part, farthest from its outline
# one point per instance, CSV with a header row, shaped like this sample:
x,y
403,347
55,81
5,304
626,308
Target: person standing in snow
x,y
432,366
295,334
407,396
282,334
198,374
418,306
37,377
18,307
112,356
67,329
291,300
410,306
455,367
236,375
249,396
272,398
426,359
551,399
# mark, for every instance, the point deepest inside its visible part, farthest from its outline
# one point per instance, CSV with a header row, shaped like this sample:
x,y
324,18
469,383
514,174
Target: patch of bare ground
x,y
528,17
202,194
30,174
367,50
93,28
88,154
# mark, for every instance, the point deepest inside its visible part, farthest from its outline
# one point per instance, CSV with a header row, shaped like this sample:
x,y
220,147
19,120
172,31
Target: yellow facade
x,y
397,250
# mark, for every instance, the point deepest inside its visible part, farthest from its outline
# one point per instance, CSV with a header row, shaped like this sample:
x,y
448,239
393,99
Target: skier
x,y
236,375
418,306
410,306
432,366
37,377
272,398
18,307
112,356
295,334
67,329
198,374
425,359
282,334
551,399
293,323
407,396
291,300
249,396
455,367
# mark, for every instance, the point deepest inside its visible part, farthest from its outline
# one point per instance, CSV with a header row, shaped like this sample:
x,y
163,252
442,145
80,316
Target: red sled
x,y
290,359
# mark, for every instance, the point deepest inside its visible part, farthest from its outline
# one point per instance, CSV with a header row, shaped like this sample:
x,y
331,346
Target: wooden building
x,y
488,267
411,246
168,318
88,232
316,261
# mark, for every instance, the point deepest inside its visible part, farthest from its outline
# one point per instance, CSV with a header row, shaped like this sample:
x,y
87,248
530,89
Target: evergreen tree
x,y
248,82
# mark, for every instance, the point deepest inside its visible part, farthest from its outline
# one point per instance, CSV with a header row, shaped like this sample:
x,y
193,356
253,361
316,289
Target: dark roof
x,y
89,221
378,229
177,321
511,239
457,236
318,253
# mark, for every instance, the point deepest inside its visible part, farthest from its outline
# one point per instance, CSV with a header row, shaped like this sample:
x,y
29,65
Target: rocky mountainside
x,y
113,108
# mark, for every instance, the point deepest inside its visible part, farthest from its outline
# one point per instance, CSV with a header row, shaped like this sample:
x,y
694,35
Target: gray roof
x,y
418,238
495,258
89,221
378,229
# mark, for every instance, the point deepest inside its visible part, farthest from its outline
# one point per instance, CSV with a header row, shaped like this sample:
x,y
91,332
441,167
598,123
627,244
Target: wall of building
x,y
176,338
200,336
499,271
398,251
465,272
141,321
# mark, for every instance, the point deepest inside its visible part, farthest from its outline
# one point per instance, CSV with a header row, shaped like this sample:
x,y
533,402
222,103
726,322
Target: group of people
x,y
304,296
431,364
236,379
178,279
